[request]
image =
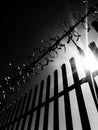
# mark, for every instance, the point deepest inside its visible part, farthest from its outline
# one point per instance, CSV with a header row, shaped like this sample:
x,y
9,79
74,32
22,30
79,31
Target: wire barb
x,y
45,53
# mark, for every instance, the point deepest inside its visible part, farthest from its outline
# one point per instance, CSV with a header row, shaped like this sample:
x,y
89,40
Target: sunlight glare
x,y
90,62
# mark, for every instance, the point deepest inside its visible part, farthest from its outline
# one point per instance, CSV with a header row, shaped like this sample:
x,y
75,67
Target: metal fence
x,y
26,114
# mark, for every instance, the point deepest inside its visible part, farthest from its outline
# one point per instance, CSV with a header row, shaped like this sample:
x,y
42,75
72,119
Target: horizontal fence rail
x,y
30,112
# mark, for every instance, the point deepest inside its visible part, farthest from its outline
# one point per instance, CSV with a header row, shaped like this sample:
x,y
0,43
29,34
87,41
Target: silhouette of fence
x,y
26,114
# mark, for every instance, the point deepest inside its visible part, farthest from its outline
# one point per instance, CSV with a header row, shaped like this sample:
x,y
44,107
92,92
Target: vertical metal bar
x,y
5,114
28,101
91,85
3,118
68,116
1,115
81,104
23,103
90,78
8,127
17,109
15,114
9,112
39,109
56,105
96,88
12,112
33,103
22,106
45,125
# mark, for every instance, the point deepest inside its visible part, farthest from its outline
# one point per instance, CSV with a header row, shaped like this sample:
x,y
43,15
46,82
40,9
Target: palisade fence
x,y
26,114
56,112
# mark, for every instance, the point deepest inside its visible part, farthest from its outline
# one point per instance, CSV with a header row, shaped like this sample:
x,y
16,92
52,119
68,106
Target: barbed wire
x,y
45,53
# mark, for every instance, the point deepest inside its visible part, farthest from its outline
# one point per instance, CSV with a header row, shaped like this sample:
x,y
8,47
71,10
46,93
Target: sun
x,y
89,61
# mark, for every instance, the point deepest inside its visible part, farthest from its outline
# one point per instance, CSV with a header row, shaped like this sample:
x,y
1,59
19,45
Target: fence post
x,y
96,88
56,105
33,103
28,101
92,85
4,116
21,109
79,95
7,117
12,112
39,109
46,114
69,125
16,112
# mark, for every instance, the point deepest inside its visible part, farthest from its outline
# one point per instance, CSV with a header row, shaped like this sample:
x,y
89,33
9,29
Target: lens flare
x,y
90,62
